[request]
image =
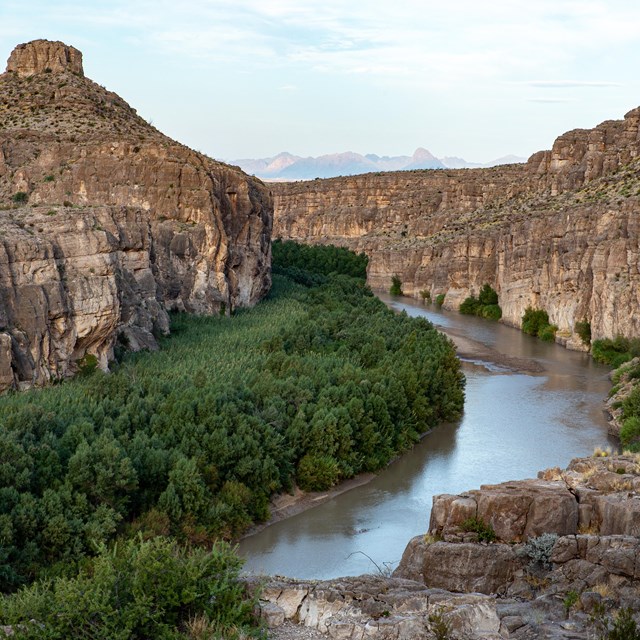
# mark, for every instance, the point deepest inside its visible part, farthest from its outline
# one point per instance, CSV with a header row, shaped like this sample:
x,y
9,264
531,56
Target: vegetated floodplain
x,y
317,383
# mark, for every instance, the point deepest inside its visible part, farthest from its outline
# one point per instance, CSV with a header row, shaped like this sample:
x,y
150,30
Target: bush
x,y
492,312
470,306
534,320
21,197
440,299
137,590
630,432
476,525
539,550
485,306
583,329
547,333
488,296
317,473
396,286
616,351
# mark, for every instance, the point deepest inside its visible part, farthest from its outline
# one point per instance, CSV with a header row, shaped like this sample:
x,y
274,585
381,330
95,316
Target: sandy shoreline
x,y
286,505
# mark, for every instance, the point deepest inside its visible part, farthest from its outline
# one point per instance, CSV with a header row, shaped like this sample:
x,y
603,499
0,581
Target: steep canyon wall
x,y
106,224
559,232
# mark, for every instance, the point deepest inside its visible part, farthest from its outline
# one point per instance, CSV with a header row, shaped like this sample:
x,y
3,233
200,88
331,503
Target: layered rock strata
x,y
106,224
559,232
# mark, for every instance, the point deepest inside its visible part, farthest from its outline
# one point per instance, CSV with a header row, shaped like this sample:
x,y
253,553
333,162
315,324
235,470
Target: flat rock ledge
x,y
566,557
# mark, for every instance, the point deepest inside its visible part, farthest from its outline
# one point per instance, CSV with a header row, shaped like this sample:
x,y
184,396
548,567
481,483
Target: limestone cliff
x,y
559,232
105,223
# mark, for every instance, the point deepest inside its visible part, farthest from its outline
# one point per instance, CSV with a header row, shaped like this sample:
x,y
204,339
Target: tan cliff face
x,y
559,232
106,224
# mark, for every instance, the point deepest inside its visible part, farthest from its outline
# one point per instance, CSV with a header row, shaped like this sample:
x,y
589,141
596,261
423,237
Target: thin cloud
x,y
549,100
570,84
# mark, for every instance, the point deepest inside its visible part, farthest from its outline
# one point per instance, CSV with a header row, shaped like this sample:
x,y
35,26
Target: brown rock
x,y
559,232
40,56
121,223
514,510
465,567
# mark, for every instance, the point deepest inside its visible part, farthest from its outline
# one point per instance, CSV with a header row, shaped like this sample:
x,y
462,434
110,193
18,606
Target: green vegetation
x,y
322,259
317,383
622,627
583,329
476,525
138,590
425,295
615,351
535,322
20,197
396,286
440,299
485,305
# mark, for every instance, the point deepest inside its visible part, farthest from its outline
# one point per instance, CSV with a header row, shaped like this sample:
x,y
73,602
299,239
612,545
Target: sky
x,y
251,78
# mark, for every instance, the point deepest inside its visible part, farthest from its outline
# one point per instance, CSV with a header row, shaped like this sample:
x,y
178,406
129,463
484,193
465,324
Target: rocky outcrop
x,y
106,224
44,56
559,232
545,580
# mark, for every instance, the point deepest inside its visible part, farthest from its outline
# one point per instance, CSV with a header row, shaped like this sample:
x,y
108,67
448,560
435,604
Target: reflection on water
x,y
514,424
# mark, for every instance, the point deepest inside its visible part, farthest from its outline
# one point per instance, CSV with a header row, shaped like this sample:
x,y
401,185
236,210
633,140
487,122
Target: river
x,y
529,406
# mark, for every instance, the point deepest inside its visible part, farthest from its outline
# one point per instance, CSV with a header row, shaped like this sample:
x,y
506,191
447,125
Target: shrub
x,y
396,286
616,351
476,525
485,306
492,312
469,306
583,329
488,295
630,432
547,333
137,590
425,295
539,550
534,320
21,197
440,299
317,472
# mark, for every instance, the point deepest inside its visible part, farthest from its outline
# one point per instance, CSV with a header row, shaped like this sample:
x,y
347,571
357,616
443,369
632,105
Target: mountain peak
x,y
40,56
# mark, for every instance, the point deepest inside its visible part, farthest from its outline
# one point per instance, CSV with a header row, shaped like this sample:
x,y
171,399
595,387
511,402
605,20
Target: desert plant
x,y
570,600
484,531
539,550
20,197
440,299
439,625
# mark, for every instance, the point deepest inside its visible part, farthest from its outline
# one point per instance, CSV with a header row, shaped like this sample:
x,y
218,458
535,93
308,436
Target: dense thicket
x,y
136,591
319,259
313,385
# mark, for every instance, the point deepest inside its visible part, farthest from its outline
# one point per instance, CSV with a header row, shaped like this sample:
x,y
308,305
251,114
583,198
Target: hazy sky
x,y
251,78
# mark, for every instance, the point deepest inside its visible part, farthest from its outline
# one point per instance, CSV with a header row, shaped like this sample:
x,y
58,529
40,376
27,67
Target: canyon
x,y
559,232
106,224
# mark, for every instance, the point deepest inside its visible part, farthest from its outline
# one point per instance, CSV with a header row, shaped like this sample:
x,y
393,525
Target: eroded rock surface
x,y
541,585
559,232
106,224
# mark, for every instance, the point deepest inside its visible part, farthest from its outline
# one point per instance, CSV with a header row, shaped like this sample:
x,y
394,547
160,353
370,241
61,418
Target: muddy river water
x,y
529,406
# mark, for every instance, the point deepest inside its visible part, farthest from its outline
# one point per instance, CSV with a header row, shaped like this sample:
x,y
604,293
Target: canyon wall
x,y
559,232
106,224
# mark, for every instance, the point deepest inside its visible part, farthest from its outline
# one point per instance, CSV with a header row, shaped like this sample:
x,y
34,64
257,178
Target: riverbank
x,y
287,505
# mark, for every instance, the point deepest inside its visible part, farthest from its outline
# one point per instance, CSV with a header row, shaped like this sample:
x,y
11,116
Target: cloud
x,y
570,84
549,100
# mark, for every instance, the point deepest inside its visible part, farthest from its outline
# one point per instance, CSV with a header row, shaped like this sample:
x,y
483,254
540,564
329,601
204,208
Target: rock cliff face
x,y
106,224
559,232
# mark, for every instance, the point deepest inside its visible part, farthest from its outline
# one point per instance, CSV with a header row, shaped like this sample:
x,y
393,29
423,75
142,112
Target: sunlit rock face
x,y
106,224
559,232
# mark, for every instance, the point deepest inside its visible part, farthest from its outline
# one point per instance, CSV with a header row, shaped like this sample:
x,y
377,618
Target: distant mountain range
x,y
286,166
